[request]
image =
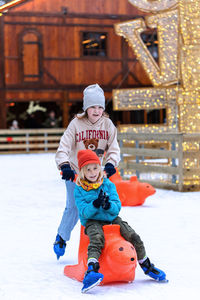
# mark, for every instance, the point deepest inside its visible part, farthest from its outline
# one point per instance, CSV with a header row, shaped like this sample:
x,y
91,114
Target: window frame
x,y
96,57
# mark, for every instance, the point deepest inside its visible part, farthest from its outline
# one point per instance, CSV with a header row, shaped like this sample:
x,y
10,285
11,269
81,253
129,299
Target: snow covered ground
x,y
32,199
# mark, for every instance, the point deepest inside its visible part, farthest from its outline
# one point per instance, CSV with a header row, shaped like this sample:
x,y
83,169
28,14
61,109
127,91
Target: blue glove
x,y
67,172
109,169
98,202
106,203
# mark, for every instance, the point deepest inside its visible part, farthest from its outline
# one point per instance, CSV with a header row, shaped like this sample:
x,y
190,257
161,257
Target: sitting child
x,y
98,204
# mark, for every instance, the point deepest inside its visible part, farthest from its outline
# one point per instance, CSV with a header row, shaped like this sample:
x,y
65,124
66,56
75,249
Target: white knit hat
x,y
93,95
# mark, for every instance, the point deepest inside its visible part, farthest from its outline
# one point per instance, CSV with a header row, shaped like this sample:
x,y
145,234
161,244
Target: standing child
x,y
90,130
98,204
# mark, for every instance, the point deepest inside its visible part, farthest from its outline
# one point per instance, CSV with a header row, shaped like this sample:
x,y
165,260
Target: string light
x,y
8,4
175,77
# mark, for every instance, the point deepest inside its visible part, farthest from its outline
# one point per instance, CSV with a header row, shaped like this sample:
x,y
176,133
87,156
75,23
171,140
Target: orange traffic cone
x,y
131,192
117,261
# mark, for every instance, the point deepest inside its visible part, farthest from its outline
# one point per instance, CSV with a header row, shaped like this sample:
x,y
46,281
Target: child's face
x,y
91,172
94,113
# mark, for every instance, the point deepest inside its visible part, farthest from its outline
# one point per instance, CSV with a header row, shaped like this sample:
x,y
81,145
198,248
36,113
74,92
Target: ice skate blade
x,y
162,281
83,291
159,281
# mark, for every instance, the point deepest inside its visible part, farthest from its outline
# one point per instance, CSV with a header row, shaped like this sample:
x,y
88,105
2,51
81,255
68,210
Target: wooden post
x,y
122,157
65,121
2,77
145,117
137,160
125,68
125,72
180,160
126,115
173,148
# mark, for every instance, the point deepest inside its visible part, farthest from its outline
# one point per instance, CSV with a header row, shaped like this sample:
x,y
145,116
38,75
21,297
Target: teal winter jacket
x,y
84,202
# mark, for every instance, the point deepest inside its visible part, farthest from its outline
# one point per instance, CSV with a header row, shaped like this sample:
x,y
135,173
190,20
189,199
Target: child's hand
x,y
106,203
98,202
109,169
67,172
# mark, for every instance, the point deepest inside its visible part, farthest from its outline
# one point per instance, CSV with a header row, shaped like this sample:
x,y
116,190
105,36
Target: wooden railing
x,y
29,140
165,160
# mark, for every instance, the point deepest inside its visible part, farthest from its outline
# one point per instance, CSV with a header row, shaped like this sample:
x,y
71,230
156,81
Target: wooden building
x,y
51,50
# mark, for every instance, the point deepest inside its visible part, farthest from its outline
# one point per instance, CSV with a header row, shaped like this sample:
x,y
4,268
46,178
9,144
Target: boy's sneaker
x,y
92,277
59,246
155,273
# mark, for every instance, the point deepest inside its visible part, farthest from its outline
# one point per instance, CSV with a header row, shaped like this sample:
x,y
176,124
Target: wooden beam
x,y
68,87
65,120
2,77
2,110
87,58
2,66
75,15
58,24
125,69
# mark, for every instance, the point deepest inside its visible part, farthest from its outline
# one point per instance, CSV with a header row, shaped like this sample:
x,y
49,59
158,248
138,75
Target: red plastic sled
x,y
131,192
117,261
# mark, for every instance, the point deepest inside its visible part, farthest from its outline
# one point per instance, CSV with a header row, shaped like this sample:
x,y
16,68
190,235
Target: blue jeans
x,y
70,215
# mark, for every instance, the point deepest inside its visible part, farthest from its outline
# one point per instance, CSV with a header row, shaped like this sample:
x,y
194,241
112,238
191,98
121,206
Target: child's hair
x,y
84,114
81,175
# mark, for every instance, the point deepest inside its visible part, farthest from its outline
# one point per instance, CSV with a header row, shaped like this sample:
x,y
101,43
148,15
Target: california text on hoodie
x,y
80,133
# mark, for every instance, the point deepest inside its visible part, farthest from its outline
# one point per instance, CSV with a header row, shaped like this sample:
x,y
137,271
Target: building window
x,y
94,44
30,57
